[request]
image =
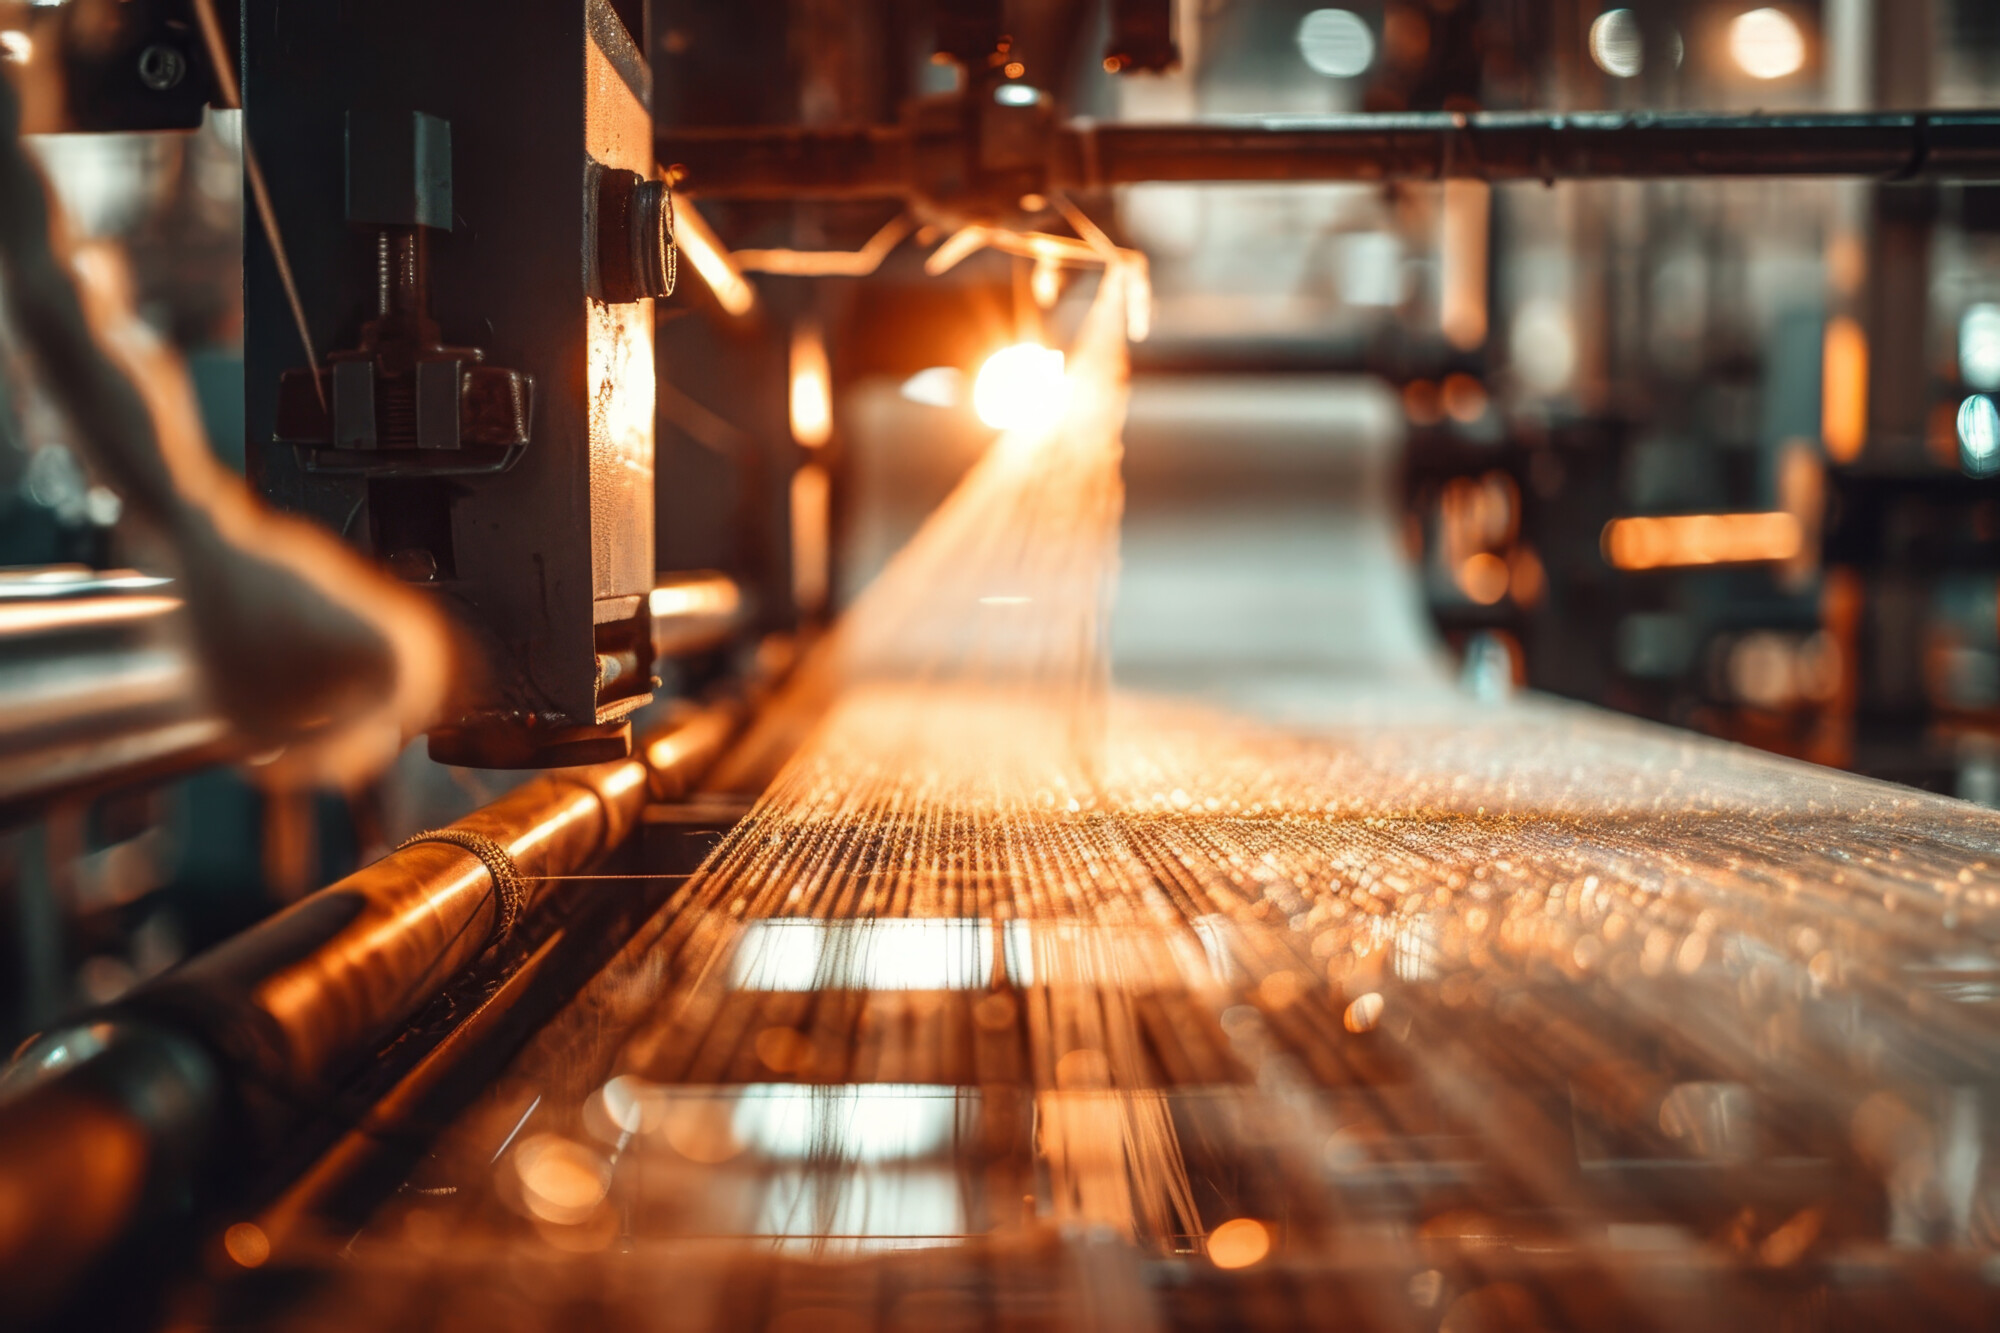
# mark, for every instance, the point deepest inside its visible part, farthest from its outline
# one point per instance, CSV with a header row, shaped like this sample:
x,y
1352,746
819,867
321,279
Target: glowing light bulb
x,y
1021,388
1767,44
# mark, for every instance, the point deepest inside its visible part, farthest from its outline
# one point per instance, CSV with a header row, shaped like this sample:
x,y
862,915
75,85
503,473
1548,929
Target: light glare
x,y
1767,44
1021,388
812,388
938,386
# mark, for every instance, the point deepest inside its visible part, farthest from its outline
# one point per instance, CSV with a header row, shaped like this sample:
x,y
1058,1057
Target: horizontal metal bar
x,y
1511,146
100,686
882,161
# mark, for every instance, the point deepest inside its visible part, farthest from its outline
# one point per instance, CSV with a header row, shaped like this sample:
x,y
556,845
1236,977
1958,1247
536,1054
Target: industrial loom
x,y
919,965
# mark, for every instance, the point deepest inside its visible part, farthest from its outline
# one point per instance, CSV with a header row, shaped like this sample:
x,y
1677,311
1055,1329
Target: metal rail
x,y
920,158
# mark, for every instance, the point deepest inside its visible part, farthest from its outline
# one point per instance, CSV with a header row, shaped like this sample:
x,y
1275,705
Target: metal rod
x,y
883,161
695,612
1507,146
98,687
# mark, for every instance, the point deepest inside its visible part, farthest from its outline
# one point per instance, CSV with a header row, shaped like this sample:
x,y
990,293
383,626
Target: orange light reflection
x,y
1681,540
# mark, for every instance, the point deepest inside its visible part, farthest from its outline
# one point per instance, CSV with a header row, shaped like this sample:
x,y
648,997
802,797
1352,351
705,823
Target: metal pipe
x,y
271,1023
98,686
695,612
885,161
317,987
1532,146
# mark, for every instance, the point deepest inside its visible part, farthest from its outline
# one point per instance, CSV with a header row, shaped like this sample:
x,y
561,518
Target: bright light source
x,y
1336,43
1979,436
939,386
1767,44
812,388
1016,94
1616,45
1021,388
16,47
1979,347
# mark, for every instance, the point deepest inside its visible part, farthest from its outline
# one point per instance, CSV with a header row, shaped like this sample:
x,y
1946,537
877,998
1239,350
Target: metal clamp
x,y
510,890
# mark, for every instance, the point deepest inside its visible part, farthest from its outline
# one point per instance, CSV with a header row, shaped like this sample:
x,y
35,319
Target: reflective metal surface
x,y
99,685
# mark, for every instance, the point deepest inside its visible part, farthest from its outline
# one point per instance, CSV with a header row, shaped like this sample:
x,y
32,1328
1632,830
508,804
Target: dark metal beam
x,y
883,161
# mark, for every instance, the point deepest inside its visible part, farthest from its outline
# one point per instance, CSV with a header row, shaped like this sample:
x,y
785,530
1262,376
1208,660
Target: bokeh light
x,y
1337,43
1616,44
1979,436
1239,1243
